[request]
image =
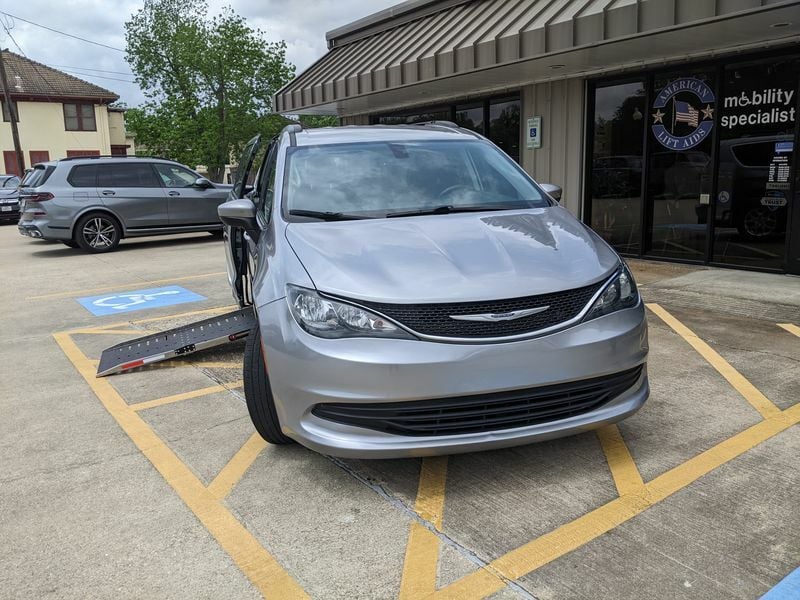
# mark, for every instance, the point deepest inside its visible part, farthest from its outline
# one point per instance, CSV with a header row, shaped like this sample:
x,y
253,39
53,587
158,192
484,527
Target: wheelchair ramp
x,y
180,341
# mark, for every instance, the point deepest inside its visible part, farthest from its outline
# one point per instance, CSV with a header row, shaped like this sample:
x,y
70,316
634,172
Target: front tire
x,y
257,393
97,232
758,224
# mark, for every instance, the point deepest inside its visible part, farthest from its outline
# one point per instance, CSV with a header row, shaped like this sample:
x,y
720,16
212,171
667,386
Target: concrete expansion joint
x,y
409,511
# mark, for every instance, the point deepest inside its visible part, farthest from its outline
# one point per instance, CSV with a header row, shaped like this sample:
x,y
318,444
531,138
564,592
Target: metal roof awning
x,y
440,46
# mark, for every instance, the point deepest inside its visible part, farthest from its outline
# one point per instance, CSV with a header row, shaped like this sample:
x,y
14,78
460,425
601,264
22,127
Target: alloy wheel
x,y
99,233
760,222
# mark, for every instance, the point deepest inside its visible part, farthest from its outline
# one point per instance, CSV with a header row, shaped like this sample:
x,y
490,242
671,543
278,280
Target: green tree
x,y
209,81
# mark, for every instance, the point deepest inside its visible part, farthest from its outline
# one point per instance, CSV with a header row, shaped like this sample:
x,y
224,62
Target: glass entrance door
x,y
616,164
680,165
756,160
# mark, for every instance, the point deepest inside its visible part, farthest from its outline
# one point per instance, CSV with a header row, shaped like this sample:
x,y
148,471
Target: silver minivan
x,y
418,293
94,202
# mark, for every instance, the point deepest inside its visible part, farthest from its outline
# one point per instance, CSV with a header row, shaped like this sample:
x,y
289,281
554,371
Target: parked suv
x,y
94,202
418,293
9,197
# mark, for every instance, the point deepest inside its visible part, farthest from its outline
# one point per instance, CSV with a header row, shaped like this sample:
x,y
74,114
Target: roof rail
x,y
449,125
112,156
292,129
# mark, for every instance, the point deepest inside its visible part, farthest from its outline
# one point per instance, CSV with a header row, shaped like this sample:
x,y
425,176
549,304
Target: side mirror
x,y
553,190
202,183
238,213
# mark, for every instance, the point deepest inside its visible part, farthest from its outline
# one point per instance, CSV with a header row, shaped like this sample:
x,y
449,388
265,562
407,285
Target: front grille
x,y
486,412
434,319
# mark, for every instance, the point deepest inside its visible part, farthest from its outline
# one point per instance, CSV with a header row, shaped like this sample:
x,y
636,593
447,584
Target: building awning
x,y
449,47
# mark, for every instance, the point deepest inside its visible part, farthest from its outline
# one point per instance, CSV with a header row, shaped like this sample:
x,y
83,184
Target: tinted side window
x,y
139,175
755,155
83,176
174,176
267,184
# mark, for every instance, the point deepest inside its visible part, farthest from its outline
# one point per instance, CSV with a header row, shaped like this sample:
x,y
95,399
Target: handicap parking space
x,y
692,497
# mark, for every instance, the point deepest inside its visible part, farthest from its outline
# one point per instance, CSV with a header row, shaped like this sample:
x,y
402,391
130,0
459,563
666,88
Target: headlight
x,y
620,293
331,319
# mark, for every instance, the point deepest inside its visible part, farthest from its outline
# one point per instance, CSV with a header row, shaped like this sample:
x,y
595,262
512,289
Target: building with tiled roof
x,y
58,115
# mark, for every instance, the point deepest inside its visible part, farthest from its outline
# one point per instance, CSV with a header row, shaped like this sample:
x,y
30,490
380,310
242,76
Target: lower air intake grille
x,y
487,412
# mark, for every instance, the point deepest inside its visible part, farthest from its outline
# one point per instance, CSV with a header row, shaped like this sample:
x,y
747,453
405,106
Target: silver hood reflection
x,y
460,257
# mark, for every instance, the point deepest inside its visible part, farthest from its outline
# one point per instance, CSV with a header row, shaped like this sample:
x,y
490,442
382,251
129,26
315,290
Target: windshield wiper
x,y
326,215
448,208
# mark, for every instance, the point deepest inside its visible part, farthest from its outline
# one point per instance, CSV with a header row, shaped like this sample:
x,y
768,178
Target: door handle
x,y
108,192
174,194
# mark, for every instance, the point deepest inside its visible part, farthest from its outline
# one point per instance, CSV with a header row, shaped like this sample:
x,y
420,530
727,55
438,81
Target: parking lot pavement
x,y
152,483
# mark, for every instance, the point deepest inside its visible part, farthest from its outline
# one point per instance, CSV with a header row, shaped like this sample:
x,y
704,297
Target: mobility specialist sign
x,y
684,113
122,302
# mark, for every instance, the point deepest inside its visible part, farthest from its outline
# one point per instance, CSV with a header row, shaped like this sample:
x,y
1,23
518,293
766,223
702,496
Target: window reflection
x,y
470,117
504,126
680,168
617,165
755,159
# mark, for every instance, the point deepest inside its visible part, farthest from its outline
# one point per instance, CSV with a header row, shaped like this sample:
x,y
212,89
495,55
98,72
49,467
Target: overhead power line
x,y
77,37
91,69
21,51
97,76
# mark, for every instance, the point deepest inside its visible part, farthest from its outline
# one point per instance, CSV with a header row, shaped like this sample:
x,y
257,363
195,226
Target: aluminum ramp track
x,y
177,342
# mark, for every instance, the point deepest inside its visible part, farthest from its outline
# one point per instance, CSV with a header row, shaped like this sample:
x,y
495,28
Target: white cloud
x,y
301,25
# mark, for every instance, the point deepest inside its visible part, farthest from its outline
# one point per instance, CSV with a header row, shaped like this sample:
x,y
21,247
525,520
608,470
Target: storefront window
x,y
680,169
756,149
504,126
713,152
428,114
616,177
470,116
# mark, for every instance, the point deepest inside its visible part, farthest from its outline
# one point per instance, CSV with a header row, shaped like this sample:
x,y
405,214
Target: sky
x,y
301,24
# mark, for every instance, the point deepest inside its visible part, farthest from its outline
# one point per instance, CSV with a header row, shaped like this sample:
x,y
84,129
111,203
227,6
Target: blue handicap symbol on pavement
x,y
121,302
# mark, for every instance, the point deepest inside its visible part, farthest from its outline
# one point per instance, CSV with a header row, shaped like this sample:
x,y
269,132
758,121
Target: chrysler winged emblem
x,y
506,316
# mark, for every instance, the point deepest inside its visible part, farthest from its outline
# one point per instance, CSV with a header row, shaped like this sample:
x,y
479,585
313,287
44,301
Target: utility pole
x,y
12,116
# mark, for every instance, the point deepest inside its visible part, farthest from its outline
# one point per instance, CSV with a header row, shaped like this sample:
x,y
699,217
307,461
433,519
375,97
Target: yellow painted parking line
x,y
624,471
98,331
756,399
422,549
573,535
791,328
231,473
216,364
173,364
185,396
272,580
430,494
123,286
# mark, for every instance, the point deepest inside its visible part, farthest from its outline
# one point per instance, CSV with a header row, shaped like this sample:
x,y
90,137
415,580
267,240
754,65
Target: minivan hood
x,y
461,257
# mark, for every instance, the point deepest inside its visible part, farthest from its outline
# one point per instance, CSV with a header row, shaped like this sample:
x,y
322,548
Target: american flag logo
x,y
686,113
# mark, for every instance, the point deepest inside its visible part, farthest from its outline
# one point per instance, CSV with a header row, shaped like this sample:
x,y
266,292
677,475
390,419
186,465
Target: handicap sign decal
x,y
122,302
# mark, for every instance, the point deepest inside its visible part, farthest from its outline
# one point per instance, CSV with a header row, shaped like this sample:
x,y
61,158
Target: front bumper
x,y
305,370
9,210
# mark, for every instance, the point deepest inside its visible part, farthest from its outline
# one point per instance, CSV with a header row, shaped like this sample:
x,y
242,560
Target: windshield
x,y
376,179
